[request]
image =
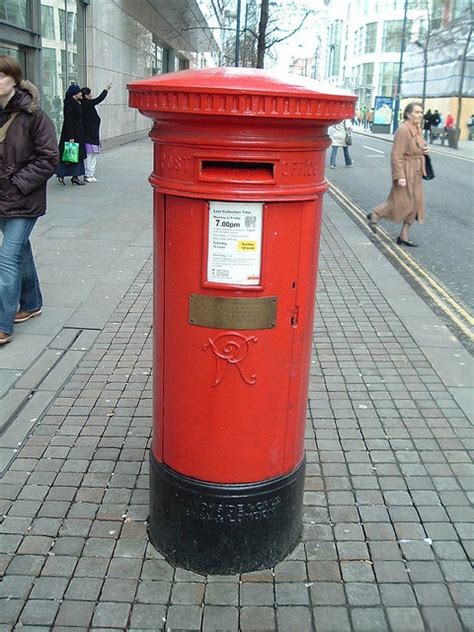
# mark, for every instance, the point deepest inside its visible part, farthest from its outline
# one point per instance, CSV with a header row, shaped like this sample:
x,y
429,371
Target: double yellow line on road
x,y
431,286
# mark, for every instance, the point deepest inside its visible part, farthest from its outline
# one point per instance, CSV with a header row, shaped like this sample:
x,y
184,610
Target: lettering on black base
x,y
241,512
224,529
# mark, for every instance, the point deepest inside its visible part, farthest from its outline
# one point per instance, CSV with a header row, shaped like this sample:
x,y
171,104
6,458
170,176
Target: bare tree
x,y
262,33
271,32
262,30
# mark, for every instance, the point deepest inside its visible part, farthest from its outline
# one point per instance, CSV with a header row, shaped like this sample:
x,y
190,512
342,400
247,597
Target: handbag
x,y
430,174
70,152
348,139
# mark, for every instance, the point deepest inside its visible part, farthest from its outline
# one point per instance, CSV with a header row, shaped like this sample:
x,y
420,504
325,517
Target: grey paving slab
x,y
8,377
10,404
58,375
65,338
26,419
37,372
97,308
24,351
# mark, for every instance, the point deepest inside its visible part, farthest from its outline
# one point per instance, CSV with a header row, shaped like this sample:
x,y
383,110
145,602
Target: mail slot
x,y
221,171
238,178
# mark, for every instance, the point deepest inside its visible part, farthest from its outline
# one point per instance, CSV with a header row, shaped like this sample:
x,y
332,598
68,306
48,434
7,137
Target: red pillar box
x,y
238,177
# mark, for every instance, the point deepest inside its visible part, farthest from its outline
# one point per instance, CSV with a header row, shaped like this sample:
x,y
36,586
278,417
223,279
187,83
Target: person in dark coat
x,y
72,130
28,158
427,123
91,125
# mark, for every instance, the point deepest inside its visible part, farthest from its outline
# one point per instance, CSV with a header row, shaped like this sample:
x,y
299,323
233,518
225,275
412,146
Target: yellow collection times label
x,y
247,245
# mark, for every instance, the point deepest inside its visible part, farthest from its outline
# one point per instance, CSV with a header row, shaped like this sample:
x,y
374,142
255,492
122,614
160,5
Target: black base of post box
x,y
224,529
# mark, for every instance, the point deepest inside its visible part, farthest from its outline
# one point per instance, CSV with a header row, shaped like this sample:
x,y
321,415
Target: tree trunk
x,y
425,75
262,34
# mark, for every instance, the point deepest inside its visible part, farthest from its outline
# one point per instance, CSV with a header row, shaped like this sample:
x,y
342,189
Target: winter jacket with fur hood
x,y
28,155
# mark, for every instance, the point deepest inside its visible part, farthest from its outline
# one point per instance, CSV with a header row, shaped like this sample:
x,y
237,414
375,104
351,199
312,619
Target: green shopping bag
x,y
70,152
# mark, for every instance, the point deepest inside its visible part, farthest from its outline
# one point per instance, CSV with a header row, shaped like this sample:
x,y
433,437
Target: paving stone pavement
x,y
388,517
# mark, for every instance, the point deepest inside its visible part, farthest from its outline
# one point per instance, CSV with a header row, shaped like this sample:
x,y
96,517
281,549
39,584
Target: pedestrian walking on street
x,y
436,126
341,136
27,160
370,119
406,200
72,131
448,125
91,126
427,122
470,127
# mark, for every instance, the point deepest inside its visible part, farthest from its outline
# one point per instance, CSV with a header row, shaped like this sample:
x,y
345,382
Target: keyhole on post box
x,y
294,318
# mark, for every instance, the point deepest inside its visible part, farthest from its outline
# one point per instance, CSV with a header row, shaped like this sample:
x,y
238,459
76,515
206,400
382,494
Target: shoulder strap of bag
x,y
4,129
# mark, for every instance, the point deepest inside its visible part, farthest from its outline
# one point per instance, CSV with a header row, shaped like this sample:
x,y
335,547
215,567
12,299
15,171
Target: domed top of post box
x,y
240,92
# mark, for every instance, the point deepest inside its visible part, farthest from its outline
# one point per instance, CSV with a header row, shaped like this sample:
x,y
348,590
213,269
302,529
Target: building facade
x,y
438,67
96,42
362,45
364,40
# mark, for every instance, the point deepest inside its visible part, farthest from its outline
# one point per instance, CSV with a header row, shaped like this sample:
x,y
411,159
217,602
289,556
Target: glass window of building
x,y
15,52
47,22
16,12
157,65
334,56
367,75
437,13
62,24
392,36
370,37
59,21
358,40
388,79
461,8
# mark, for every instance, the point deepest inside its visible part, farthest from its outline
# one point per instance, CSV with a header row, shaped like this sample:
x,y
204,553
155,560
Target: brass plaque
x,y
219,312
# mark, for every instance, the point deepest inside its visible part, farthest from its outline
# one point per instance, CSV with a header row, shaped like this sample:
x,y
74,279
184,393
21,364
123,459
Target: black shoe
x,y
402,242
372,224
61,180
76,180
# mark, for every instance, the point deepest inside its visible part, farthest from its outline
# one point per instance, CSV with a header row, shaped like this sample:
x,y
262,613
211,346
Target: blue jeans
x,y
19,285
347,157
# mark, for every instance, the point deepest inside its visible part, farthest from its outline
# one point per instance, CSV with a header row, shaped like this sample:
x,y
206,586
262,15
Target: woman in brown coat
x,y
406,200
28,157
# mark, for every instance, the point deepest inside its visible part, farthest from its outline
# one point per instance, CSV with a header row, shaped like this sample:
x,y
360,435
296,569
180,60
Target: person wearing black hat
x,y
72,131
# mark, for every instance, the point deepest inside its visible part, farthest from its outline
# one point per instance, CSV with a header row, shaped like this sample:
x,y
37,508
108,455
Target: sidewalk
x,y
465,150
388,522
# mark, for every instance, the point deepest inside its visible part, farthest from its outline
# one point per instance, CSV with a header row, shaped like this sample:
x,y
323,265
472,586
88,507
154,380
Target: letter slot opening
x,y
233,171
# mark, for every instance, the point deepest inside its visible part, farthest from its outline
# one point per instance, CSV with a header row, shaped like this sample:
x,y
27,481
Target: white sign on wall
x,y
235,243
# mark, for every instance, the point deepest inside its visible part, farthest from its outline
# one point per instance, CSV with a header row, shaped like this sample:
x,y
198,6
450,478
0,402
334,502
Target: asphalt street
x,y
446,239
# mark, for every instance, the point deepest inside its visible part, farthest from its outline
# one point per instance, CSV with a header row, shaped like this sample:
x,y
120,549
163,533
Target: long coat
x,y
91,119
28,156
72,127
406,204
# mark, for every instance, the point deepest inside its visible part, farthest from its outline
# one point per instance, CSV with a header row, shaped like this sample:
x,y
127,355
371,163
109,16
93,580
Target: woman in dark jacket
x,y
28,157
72,130
91,126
